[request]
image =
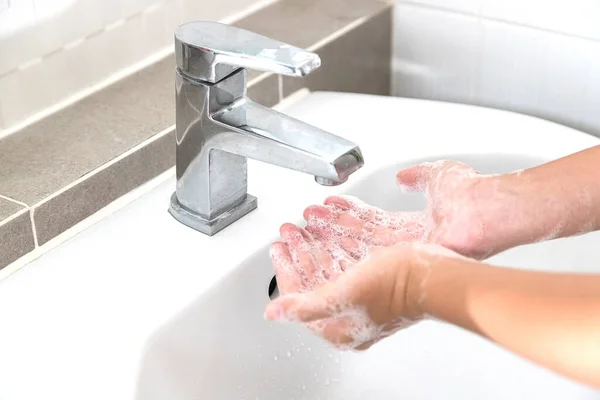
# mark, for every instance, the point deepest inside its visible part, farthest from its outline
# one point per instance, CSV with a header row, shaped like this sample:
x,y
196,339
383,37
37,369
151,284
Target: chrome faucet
x,y
218,126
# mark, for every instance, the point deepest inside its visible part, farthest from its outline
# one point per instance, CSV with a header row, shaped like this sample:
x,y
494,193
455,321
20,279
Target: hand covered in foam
x,y
457,197
355,309
349,224
457,215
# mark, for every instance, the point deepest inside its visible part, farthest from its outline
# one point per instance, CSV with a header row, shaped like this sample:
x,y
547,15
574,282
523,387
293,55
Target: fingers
x,y
314,261
296,307
356,208
301,253
342,260
418,177
329,223
331,299
345,331
345,249
415,179
337,228
323,302
288,279
366,345
335,330
356,227
339,202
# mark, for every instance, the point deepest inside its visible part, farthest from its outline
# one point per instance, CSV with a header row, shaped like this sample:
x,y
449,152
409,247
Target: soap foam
x,y
360,227
356,328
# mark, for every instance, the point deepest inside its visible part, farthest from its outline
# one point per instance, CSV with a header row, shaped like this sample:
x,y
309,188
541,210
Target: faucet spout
x,y
266,135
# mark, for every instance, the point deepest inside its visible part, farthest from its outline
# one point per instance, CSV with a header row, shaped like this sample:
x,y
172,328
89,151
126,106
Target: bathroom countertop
x,y
75,323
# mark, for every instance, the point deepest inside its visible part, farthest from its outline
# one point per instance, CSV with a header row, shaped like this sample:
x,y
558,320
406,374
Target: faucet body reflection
x,y
218,127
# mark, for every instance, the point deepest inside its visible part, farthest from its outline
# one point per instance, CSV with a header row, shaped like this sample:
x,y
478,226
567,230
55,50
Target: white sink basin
x,y
142,307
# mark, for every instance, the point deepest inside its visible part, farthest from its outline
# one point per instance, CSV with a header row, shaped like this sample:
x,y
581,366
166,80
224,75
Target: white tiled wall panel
x,y
575,17
536,72
469,58
11,103
53,49
436,54
465,6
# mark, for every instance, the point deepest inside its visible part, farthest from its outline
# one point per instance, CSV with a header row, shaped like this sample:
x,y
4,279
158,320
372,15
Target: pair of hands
x,y
355,274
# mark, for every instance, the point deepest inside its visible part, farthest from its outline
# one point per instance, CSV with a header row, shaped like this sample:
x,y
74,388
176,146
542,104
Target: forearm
x,y
550,319
557,199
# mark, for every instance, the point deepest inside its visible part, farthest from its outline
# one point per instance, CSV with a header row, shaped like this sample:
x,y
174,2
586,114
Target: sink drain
x,y
273,289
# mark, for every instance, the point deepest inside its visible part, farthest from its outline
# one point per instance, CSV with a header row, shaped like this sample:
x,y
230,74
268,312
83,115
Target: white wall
x,y
52,50
532,56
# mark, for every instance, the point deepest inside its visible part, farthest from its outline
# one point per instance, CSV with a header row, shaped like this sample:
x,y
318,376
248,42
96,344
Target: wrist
x,y
427,259
504,211
414,294
445,290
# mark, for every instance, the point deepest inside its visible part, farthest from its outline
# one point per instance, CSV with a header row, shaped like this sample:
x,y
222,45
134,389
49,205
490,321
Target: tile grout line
x,y
14,215
14,201
33,230
18,213
28,209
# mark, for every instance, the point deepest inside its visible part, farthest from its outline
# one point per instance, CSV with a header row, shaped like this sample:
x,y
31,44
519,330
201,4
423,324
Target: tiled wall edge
x,y
152,181
118,204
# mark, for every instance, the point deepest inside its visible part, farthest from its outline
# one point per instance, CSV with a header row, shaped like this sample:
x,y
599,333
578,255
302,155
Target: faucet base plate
x,y
213,226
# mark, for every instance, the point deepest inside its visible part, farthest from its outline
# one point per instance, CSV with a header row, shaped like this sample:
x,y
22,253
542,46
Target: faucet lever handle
x,y
210,51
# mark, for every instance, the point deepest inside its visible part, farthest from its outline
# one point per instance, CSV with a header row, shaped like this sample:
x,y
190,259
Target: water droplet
x,y
275,358
327,382
289,354
303,387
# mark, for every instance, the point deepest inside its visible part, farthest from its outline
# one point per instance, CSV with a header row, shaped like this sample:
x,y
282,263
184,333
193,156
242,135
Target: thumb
x,y
328,300
415,179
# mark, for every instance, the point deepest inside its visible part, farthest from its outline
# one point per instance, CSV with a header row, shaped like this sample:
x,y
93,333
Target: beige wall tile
x,y
62,211
16,236
265,90
358,61
51,154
